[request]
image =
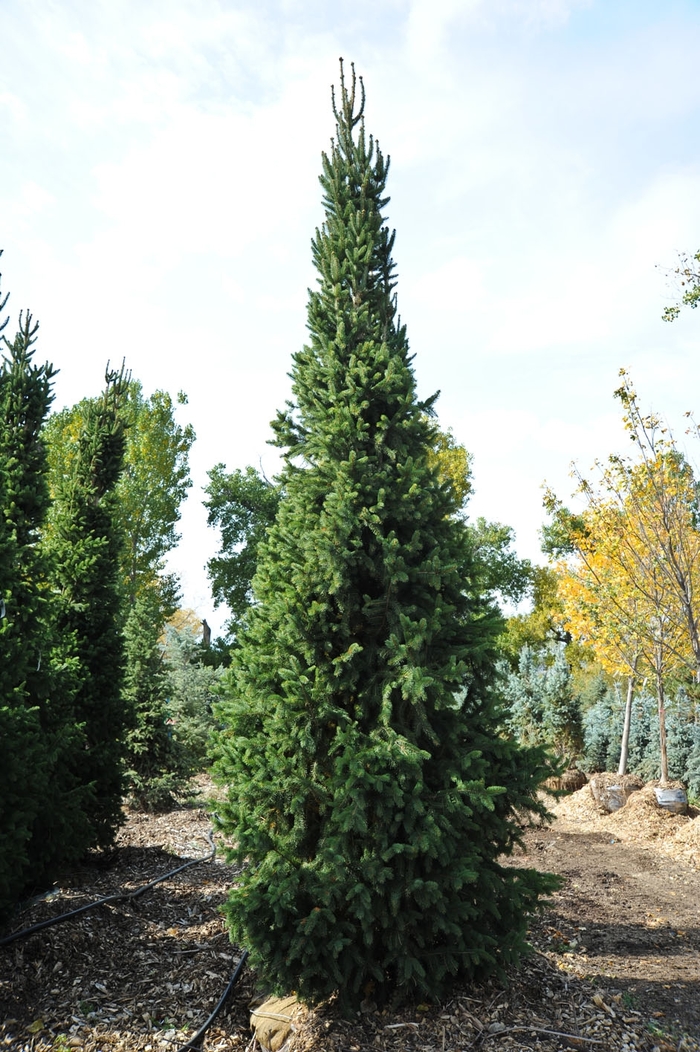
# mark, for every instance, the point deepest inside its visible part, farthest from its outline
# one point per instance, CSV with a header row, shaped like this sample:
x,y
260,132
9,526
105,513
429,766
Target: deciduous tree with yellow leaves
x,y
632,584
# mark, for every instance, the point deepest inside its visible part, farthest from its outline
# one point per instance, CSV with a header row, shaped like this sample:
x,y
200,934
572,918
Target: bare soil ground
x,y
615,967
629,911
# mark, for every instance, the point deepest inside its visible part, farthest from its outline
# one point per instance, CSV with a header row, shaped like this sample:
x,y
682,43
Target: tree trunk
x,y
661,701
624,749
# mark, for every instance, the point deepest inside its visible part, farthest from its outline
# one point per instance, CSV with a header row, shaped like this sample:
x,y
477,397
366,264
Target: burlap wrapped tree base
x,y
612,791
274,1020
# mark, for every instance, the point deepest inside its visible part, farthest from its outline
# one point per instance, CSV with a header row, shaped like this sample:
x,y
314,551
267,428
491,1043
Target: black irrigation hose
x,y
195,1041
24,933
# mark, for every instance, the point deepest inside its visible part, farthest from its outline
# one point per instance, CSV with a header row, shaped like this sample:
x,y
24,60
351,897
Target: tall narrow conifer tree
x,y
26,769
370,789
83,545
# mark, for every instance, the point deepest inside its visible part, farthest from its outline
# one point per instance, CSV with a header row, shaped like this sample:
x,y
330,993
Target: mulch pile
x,y
143,974
640,820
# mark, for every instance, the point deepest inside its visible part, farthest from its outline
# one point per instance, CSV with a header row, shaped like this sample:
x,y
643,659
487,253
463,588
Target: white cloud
x,y
429,22
13,105
455,286
35,198
541,14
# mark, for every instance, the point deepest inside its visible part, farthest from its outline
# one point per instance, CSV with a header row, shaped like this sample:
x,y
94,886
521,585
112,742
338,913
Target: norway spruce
x,y
370,790
83,545
26,769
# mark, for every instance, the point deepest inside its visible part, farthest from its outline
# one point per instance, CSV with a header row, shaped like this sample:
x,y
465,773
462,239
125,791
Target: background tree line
x,y
606,667
95,701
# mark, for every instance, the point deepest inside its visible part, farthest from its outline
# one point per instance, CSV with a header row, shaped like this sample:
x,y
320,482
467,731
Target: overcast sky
x,y
158,193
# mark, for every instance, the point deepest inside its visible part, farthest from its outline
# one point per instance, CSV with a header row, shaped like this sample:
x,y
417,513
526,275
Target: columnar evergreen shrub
x,y
371,791
27,764
602,731
643,756
83,544
691,774
145,508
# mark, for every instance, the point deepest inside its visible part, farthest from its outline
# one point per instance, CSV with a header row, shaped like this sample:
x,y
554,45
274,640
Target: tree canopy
x,y
686,276
630,587
150,491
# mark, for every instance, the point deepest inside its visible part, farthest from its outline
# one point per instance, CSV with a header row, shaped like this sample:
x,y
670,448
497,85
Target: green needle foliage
x,y
370,789
26,769
145,504
84,544
154,771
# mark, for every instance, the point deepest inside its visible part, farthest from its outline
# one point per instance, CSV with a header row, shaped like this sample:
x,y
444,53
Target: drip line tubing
x,y
196,1040
119,896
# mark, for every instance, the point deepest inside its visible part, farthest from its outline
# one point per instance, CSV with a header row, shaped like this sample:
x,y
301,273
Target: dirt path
x,y
628,914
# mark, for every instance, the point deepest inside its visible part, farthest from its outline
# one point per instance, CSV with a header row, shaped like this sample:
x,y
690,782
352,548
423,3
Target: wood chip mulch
x,y
143,974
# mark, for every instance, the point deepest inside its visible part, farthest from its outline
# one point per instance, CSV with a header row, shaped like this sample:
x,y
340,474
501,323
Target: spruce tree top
x,y
358,354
